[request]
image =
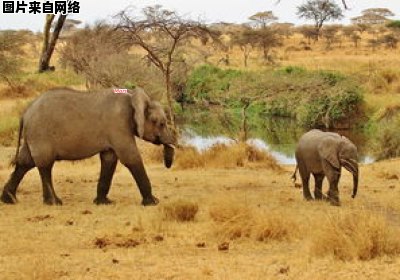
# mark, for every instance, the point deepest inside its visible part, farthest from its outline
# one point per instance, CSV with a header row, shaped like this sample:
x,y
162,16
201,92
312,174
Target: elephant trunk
x,y
169,151
352,167
355,184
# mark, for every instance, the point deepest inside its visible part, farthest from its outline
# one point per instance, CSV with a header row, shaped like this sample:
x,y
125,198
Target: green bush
x,y
314,98
394,24
209,82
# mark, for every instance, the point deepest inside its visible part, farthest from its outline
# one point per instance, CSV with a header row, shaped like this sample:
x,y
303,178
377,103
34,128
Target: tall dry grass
x,y
236,221
225,156
180,210
355,236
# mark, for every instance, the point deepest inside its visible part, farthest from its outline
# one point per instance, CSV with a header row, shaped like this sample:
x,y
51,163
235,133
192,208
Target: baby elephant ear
x,y
328,150
140,103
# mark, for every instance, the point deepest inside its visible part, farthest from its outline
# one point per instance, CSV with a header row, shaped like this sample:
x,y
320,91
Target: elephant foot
x,y
334,201
150,201
102,201
321,197
8,198
52,201
308,198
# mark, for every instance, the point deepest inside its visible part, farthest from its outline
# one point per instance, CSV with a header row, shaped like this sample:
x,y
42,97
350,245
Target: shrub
x,y
314,98
101,54
209,82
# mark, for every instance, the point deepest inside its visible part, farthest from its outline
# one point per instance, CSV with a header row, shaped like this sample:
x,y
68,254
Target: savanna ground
x,y
245,222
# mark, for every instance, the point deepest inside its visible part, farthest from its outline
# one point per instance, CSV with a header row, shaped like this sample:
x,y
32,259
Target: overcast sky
x,y
208,10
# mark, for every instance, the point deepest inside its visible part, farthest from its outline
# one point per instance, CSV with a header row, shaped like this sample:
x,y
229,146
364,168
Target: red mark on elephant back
x,y
120,90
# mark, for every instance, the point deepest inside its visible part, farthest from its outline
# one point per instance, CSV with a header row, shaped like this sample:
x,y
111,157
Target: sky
x,y
206,10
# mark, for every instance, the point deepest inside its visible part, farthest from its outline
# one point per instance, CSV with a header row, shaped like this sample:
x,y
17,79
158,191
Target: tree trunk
x,y
244,135
171,115
265,51
50,43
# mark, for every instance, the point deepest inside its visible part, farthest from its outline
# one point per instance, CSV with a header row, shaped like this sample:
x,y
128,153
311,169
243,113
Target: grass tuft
x,y
225,156
236,221
180,210
355,236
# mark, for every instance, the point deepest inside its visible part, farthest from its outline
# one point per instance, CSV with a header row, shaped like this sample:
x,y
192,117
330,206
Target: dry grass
x,y
235,220
356,235
225,156
248,223
180,210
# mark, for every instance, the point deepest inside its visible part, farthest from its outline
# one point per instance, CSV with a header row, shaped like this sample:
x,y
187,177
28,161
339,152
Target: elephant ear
x,y
140,103
328,150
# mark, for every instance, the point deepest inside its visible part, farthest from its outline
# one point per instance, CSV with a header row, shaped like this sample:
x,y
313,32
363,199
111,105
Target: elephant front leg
x,y
333,193
142,180
129,156
108,164
319,178
333,176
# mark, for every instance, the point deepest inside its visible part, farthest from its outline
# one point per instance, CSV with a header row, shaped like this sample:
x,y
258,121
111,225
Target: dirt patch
x,y
117,241
39,218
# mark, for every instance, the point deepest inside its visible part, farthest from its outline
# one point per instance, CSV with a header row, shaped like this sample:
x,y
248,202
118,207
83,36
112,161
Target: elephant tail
x,y
294,174
21,126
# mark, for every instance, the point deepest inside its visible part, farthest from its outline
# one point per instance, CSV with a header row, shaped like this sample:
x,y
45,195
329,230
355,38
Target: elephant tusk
x,y
170,146
349,166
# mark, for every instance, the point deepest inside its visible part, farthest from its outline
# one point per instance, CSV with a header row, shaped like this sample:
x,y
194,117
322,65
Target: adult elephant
x,y
323,154
64,124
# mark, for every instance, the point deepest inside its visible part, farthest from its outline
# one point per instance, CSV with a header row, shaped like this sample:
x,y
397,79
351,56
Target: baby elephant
x,y
323,154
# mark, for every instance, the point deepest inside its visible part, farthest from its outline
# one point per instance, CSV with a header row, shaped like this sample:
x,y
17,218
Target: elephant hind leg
x,y
49,195
319,178
9,194
109,162
23,163
305,179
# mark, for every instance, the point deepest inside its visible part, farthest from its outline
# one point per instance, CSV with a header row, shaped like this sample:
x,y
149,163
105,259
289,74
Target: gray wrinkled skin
x,y
64,124
323,154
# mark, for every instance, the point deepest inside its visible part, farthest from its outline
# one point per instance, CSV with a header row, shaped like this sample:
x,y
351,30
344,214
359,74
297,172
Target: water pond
x,y
276,135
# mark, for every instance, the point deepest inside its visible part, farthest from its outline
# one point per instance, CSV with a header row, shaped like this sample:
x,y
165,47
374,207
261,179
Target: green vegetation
x,y
209,83
394,24
313,98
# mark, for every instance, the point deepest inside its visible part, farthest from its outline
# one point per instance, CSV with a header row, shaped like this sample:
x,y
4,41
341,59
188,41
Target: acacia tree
x,y
319,11
373,16
50,40
262,19
160,33
243,39
263,35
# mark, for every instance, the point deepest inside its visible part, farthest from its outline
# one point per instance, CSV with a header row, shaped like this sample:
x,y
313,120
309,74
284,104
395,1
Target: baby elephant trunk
x,y
169,151
352,166
355,184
